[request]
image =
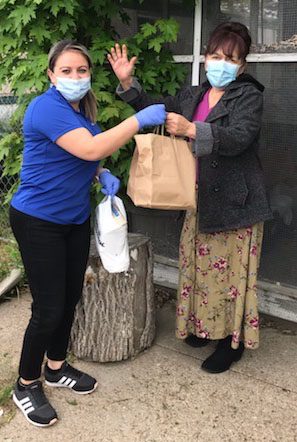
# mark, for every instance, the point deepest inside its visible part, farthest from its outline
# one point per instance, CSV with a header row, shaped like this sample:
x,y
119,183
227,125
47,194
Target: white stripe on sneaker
x,y
72,384
24,400
27,405
68,381
61,381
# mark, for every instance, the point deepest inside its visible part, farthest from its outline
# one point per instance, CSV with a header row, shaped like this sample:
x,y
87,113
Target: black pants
x,y
55,258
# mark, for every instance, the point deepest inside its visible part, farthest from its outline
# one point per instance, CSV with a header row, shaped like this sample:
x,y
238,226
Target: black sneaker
x,y
34,405
70,377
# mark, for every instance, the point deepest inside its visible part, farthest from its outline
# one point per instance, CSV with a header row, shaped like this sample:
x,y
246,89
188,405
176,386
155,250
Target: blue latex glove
x,y
151,116
110,183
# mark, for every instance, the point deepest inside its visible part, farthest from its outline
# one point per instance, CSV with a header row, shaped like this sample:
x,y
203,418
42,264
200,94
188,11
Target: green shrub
x,y
29,28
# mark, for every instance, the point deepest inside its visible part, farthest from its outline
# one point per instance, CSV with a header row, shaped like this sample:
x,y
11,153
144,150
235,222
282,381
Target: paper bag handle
x,y
159,130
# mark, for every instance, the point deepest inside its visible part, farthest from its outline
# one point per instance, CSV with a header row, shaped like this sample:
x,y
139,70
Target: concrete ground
x,y
163,395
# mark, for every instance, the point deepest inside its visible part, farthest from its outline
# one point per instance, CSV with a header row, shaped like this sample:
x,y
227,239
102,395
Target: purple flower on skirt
x,y
203,250
254,250
186,291
254,322
204,334
198,323
180,311
235,336
220,264
233,292
249,343
191,317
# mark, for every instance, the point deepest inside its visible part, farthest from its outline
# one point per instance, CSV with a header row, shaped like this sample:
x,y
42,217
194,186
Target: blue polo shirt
x,y
55,185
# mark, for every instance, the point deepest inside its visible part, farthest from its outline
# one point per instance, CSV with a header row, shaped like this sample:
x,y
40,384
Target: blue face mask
x,y
220,73
73,90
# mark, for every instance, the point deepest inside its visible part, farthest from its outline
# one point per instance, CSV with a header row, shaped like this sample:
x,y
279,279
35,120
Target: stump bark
x,y
115,318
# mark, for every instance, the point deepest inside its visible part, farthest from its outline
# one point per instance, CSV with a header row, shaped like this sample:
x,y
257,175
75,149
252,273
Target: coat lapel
x,y
220,110
217,112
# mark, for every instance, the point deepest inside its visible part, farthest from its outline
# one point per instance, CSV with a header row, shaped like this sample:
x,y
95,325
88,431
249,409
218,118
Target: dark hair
x,y
230,36
88,102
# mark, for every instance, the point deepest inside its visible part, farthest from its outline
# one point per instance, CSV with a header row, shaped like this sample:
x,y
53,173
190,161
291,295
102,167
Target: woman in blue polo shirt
x,y
50,217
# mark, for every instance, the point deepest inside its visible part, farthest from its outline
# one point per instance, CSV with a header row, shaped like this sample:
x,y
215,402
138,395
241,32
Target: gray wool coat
x,y
231,185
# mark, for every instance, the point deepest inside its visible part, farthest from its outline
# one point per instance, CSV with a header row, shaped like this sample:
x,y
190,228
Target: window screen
x,y
150,10
272,23
279,159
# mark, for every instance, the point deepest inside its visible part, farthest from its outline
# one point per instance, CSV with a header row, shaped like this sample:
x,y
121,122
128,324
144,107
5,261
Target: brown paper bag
x,y
162,173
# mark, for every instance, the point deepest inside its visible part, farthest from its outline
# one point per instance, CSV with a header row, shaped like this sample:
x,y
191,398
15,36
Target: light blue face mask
x,y
73,90
220,73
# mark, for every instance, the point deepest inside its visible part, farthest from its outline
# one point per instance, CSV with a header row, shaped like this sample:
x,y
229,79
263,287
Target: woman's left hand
x,y
110,183
178,125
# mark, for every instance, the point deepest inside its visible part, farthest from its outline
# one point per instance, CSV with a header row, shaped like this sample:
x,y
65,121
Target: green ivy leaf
x,y
104,97
56,6
169,29
148,29
22,15
4,150
109,112
66,23
156,44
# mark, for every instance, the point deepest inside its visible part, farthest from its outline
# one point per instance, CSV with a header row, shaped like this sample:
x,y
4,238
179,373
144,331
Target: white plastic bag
x,y
111,234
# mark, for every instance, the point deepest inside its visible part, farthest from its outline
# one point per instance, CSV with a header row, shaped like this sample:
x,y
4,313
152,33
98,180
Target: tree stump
x,y
115,318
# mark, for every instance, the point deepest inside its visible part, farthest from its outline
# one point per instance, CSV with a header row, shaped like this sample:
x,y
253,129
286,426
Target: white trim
x,y
183,58
272,57
197,42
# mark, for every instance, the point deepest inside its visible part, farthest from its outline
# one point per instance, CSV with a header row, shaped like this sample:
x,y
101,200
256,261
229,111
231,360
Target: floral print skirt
x,y
217,293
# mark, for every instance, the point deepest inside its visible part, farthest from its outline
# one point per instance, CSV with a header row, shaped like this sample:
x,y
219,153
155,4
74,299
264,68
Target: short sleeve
x,y
53,118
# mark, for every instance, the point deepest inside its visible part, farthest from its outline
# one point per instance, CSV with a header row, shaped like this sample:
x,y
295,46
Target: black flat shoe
x,y
196,342
222,358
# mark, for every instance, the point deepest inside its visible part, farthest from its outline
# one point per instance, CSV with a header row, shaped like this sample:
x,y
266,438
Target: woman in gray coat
x,y
220,243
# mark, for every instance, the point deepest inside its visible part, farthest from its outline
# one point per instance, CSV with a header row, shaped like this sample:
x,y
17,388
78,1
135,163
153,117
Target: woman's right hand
x,y
153,115
122,67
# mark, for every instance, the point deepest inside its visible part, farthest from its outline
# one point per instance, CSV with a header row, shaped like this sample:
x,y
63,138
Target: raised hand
x,y
122,67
